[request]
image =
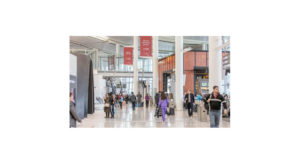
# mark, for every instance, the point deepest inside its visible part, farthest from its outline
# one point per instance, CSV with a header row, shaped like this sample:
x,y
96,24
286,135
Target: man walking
x,y
133,100
189,99
215,99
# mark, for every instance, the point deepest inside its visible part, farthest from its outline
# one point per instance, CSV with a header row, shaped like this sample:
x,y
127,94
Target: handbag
x,y
106,105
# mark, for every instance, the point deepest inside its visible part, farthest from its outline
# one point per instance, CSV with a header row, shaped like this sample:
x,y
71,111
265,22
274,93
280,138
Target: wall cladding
x,y
191,59
85,86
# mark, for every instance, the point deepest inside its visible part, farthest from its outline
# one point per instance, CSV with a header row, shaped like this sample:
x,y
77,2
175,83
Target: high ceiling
x,y
107,44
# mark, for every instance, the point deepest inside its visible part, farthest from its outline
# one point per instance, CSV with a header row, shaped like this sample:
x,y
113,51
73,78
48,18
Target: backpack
x,y
133,98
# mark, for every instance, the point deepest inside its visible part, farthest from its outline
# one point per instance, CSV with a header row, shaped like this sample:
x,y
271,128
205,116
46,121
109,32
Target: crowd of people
x,y
165,105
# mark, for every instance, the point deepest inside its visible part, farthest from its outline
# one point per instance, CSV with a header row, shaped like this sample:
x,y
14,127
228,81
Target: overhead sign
x,y
128,55
146,46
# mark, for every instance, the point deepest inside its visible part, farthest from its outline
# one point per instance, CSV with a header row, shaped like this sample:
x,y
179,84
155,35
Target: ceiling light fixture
x,y
104,38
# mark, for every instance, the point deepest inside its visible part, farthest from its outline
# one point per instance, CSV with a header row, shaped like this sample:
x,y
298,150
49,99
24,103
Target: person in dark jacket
x,y
112,105
157,97
189,100
147,98
126,98
133,100
215,99
73,115
139,97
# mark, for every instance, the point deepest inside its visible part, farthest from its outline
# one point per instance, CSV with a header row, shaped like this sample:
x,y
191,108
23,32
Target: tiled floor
x,y
144,118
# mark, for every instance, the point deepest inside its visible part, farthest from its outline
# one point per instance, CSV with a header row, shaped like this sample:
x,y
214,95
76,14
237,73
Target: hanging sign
x,y
128,55
145,46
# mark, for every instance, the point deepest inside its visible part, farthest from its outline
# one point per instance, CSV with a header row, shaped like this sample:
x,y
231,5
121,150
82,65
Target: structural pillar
x,y
155,67
215,65
179,72
215,62
135,62
117,56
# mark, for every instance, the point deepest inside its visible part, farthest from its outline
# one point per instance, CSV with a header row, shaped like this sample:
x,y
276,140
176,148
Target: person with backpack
x,y
214,100
163,103
133,100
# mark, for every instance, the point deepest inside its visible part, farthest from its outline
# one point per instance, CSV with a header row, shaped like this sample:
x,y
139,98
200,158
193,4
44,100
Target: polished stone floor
x,y
144,118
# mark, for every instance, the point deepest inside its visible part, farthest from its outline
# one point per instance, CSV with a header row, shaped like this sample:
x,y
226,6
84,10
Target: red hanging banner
x,y
146,46
128,55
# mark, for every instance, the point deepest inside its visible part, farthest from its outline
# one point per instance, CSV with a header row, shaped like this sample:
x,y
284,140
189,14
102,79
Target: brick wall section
x,y
190,59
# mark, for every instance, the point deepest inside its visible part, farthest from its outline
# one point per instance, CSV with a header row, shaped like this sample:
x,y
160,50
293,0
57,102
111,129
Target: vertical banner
x,y
128,55
146,46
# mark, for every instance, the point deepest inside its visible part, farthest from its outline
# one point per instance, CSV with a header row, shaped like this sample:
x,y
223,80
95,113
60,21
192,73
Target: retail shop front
x,y
195,65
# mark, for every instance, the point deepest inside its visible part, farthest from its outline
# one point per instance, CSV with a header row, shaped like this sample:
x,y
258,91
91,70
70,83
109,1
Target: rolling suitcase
x,y
172,112
195,107
158,112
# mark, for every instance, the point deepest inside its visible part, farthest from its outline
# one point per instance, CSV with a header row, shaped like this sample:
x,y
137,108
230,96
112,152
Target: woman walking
x,y
163,103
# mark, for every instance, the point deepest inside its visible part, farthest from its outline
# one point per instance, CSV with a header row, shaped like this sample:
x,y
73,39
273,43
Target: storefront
x,y
195,67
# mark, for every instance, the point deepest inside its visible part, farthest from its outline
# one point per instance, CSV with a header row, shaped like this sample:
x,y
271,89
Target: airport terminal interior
x,y
136,72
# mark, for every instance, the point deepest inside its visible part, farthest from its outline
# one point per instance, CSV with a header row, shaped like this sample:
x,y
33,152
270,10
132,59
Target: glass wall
x,y
149,83
108,63
126,84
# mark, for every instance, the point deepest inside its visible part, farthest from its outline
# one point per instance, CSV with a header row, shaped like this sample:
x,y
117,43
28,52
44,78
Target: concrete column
x,y
135,62
155,66
215,62
117,56
179,72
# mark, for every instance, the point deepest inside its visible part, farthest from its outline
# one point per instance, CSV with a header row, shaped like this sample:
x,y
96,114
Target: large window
x,y
145,64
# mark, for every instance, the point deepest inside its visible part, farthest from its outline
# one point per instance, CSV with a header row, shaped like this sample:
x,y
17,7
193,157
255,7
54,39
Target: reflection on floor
x,y
144,118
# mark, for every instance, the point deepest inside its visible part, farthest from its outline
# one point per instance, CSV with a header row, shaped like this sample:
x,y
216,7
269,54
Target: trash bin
x,y
202,112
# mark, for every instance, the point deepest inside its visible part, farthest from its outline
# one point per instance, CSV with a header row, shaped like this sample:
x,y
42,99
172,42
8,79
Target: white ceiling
x,y
166,43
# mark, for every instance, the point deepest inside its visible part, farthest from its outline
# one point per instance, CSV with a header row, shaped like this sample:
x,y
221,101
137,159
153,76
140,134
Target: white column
x,y
135,62
155,66
117,56
179,72
215,62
